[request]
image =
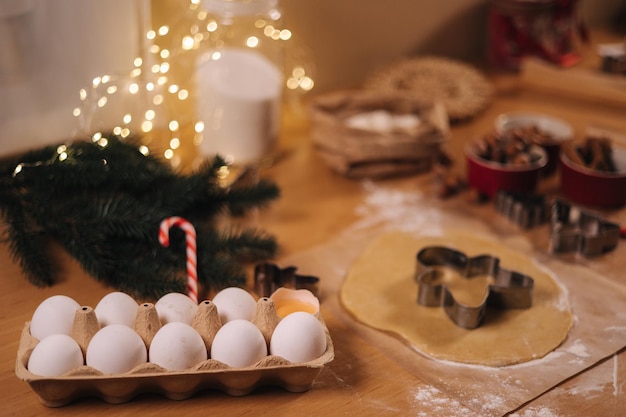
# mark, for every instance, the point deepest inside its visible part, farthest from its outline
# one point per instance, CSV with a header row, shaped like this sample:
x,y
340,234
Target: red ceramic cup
x,y
488,177
589,187
558,129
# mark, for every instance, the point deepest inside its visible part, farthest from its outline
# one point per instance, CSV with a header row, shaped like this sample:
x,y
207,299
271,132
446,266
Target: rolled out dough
x,y
381,292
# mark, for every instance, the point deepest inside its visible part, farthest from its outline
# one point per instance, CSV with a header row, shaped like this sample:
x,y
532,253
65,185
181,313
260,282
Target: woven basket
x,y
358,153
462,89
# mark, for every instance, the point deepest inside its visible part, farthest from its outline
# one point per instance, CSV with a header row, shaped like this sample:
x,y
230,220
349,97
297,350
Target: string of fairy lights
x,y
150,102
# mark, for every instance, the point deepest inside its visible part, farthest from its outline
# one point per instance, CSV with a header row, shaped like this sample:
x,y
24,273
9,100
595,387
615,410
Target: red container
x,y
559,130
488,177
589,187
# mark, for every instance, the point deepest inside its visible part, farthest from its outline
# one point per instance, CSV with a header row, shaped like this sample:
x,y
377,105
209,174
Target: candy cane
x,y
190,237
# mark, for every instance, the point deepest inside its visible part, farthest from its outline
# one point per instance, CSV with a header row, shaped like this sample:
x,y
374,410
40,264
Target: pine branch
x,y
28,248
104,204
241,199
248,244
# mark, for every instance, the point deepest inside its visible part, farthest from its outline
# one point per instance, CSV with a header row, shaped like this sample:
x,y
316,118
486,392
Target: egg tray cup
x,y
359,153
86,381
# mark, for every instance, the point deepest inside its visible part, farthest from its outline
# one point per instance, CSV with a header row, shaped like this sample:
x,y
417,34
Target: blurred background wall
x,y
49,49
350,38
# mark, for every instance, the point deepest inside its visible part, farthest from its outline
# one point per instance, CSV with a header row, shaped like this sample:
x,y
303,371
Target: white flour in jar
x,y
239,102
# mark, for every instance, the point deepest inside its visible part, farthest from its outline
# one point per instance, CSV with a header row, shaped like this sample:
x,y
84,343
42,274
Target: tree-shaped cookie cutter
x,y
268,277
527,211
576,230
509,290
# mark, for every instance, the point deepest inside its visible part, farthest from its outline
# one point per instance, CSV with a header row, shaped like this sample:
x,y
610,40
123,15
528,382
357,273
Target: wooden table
x,y
315,206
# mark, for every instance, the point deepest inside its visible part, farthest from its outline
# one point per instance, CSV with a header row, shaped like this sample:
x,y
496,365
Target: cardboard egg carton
x,y
86,381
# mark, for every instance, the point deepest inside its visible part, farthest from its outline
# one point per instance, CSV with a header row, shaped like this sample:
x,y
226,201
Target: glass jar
x,y
542,28
237,70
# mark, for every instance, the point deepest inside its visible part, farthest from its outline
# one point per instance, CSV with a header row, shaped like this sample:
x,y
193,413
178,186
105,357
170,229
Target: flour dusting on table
x,y
578,349
616,385
489,402
435,401
536,412
384,206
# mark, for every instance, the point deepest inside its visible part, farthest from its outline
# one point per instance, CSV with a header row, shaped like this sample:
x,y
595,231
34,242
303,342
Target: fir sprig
x,y
103,202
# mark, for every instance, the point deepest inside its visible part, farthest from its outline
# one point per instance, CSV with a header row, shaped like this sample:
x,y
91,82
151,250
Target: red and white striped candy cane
x,y
190,237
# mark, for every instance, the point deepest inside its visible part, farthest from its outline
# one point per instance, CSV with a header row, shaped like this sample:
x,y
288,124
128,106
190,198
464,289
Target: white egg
x,y
55,315
177,346
116,349
299,337
55,355
234,303
116,308
238,343
176,307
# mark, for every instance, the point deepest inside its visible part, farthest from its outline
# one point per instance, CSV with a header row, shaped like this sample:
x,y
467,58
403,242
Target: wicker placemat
x,y
463,90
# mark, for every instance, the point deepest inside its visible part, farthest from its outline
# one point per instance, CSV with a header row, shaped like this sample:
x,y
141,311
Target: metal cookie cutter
x,y
509,290
268,277
575,230
526,211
